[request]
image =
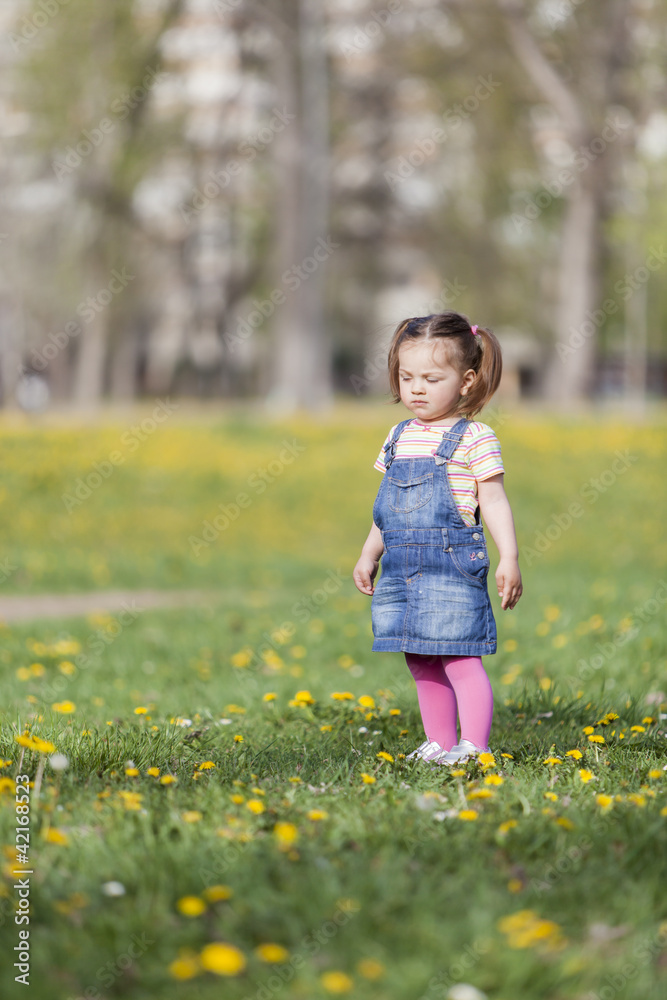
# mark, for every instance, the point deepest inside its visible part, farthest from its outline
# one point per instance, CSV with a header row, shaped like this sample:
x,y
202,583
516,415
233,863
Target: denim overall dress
x,y
432,595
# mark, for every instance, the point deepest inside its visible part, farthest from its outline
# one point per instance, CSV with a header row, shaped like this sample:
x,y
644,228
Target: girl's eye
x,y
432,380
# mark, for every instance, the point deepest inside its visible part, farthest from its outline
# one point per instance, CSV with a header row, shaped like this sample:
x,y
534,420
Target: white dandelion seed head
x,y
113,889
59,762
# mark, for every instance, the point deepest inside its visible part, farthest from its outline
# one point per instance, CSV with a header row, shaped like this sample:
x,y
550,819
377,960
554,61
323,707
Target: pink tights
x,y
447,685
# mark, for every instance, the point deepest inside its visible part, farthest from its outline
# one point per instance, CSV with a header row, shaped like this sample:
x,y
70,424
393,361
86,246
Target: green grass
x,y
391,873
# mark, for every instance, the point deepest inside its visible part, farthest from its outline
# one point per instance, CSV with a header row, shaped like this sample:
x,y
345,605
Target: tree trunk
x,y
301,370
11,339
92,355
570,373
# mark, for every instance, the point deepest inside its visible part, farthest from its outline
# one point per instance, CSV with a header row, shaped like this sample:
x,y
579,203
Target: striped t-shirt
x,y
477,457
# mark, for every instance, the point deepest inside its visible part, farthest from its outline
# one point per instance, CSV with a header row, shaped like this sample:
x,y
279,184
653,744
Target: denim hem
x,y
442,648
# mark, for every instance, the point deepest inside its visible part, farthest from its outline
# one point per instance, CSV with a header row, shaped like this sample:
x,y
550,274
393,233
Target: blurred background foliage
x,y
279,184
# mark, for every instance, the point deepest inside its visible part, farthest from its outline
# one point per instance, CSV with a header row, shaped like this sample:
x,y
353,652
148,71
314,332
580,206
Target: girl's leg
x,y
437,701
474,696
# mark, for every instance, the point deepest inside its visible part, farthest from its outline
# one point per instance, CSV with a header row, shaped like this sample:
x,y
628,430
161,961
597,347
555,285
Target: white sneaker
x,y
427,747
432,750
458,753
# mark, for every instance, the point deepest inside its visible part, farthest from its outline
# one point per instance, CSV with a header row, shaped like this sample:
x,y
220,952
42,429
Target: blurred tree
x,y
301,351
581,74
89,79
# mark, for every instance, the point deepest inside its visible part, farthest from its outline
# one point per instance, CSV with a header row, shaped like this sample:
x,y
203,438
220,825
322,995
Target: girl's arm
x,y
369,560
497,514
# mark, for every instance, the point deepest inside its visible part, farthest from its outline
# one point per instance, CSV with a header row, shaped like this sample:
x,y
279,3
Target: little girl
x,y
440,469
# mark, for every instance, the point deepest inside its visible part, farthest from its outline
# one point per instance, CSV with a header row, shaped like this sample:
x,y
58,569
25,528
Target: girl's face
x,y
429,385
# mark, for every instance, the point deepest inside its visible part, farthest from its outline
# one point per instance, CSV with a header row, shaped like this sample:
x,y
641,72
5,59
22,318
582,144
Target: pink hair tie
x,y
473,330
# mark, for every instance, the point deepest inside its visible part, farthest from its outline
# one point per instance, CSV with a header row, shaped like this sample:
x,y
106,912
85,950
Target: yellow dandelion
x,y
342,696
65,707
509,756
167,779
55,836
394,711
604,801
206,765
551,796
217,893
35,743
596,739
637,729
585,775
370,968
367,779
382,755
326,729
458,772
648,720
304,698
154,772
140,710
269,696
481,793
487,760
317,814
131,800
577,754
589,729
552,761
271,953
191,906
366,701
493,779
566,823
655,773
336,982
638,800
255,806
508,825
222,959
192,816
468,815
132,772
237,799
286,834
186,966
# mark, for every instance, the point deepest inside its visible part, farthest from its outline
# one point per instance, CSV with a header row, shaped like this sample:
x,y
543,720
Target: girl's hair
x,y
465,349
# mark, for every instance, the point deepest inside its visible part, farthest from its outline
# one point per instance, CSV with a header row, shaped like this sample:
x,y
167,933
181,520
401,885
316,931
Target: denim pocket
x,y
409,494
471,560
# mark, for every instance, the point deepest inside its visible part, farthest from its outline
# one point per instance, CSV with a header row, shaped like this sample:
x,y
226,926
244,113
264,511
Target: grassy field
x,y
234,815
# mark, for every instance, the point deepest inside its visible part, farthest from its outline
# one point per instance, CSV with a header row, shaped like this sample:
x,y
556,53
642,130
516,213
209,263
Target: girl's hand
x,y
364,574
508,581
